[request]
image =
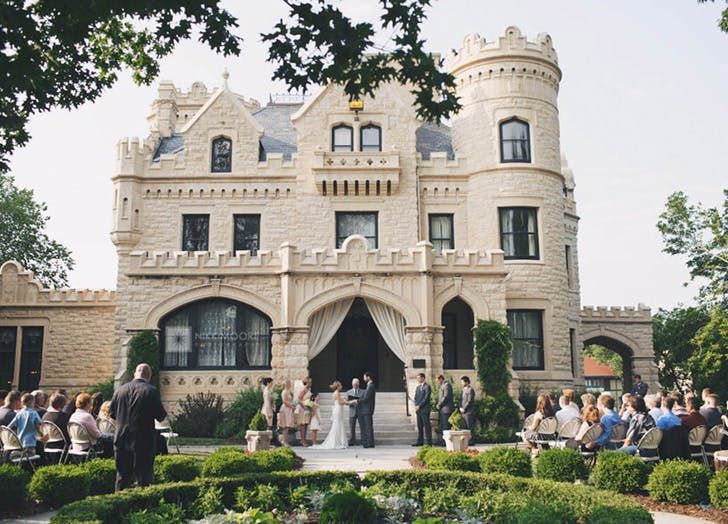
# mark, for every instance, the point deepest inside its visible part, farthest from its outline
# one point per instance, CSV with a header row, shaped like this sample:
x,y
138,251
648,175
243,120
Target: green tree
x,y
63,54
23,237
673,334
700,234
607,357
143,347
709,363
723,20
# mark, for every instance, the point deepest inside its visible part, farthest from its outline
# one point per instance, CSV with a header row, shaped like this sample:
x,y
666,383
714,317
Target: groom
x,y
365,411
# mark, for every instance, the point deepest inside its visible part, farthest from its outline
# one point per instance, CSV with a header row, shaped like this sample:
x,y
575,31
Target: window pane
x,y
515,142
195,232
178,340
441,232
8,337
216,335
257,339
222,154
31,358
527,330
343,138
519,232
371,138
364,224
247,233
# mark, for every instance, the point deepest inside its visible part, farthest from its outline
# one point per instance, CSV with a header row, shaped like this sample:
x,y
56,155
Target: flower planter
x,y
258,440
456,440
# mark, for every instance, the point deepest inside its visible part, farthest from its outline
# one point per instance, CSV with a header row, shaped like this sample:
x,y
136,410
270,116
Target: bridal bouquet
x,y
308,404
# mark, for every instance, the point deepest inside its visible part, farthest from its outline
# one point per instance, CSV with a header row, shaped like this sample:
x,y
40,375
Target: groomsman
x,y
467,407
445,405
423,394
353,394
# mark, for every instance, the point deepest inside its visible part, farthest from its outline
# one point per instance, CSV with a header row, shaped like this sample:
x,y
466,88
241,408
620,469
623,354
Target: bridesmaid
x,y
303,412
286,417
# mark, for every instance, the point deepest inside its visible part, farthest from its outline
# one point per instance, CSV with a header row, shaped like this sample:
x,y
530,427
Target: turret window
x,y
371,138
527,330
357,223
342,138
515,141
222,155
519,232
195,232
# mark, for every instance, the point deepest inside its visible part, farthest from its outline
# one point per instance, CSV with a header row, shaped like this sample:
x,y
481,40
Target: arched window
x,y
515,141
222,155
216,334
370,138
342,138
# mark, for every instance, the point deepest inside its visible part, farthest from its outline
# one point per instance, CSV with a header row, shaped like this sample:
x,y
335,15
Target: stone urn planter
x,y
258,440
456,440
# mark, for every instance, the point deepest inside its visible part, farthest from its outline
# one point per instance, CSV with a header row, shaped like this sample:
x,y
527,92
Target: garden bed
x,y
720,516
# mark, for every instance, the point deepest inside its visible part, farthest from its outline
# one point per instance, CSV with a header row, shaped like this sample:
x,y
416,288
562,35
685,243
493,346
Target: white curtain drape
x,y
324,325
390,324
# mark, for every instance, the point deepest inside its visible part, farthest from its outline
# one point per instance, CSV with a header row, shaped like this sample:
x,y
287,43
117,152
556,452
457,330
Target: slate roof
x,y
279,136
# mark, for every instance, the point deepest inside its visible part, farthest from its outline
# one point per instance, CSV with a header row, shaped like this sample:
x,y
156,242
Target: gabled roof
x,y
279,135
223,91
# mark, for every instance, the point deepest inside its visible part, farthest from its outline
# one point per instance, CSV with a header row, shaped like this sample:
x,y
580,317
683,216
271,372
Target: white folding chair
x,y
648,448
617,435
711,443
106,426
82,440
696,437
590,437
165,429
568,431
547,432
53,435
13,448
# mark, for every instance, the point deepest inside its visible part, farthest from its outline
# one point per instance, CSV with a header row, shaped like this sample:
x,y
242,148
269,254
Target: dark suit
x,y
423,408
445,405
135,406
639,390
352,415
365,413
467,405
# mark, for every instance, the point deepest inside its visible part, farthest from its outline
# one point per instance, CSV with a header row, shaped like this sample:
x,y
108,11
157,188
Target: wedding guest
x,y
587,399
57,416
623,408
12,404
589,417
303,411
353,394
679,407
82,415
467,406
96,400
600,401
543,410
71,406
286,416
705,394
609,418
570,395
315,423
710,411
653,403
640,422
694,418
27,422
568,411
445,404
640,388
40,402
668,419
423,406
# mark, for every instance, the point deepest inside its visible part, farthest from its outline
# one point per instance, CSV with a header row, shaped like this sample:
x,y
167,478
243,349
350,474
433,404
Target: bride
x,y
337,438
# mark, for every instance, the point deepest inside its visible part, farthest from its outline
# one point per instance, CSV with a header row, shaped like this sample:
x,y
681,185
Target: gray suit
x,y
422,403
445,405
364,413
352,415
467,405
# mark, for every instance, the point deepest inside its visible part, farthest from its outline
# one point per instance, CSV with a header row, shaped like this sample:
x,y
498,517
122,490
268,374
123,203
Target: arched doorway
x,y
621,349
457,335
357,347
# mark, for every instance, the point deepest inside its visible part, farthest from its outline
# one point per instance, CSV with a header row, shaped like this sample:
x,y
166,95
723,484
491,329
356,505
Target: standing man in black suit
x,y
135,406
423,394
467,407
353,394
365,412
445,404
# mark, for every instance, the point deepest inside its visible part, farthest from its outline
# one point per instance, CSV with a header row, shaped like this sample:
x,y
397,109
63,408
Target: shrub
x,y
281,459
619,515
441,500
498,418
494,506
511,461
456,420
13,486
143,347
451,461
263,496
619,471
225,462
563,465
102,475
422,453
239,412
58,485
165,513
493,346
718,489
679,481
259,422
209,502
348,507
106,388
175,468
540,513
199,415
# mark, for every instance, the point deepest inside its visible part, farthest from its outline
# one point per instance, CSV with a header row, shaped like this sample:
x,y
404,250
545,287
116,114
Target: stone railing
x,y
356,173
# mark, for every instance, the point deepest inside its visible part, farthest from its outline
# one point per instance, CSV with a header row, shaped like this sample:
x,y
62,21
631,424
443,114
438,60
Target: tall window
x,y
515,141
195,232
247,233
31,357
572,348
519,232
527,330
222,155
357,223
342,138
8,338
569,277
441,232
371,138
216,333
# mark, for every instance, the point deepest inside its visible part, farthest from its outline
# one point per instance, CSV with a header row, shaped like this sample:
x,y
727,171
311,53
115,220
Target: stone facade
x,y
284,169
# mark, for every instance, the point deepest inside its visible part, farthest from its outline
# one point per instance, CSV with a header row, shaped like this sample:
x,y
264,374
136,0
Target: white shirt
x,y
564,415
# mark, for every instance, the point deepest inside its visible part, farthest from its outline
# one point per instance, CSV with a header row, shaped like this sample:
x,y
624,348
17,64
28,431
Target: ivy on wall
x,y
143,347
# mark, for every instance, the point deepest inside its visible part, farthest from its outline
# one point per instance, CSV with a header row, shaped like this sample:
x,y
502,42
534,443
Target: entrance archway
x,y
621,349
357,347
457,335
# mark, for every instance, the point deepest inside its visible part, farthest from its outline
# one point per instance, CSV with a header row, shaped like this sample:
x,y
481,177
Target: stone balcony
x,y
356,173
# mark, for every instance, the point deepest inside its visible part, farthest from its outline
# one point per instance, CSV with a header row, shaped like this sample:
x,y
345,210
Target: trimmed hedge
x,y
176,468
13,486
563,465
440,459
718,489
510,461
619,471
101,474
229,461
679,481
58,485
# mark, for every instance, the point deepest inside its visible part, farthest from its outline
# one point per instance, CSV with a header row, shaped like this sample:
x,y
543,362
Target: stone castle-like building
x,y
329,238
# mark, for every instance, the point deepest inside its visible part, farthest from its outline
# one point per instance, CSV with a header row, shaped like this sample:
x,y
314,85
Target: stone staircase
x,y
392,426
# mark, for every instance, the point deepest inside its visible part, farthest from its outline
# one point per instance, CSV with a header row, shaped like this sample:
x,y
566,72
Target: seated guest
x,y
705,394
587,399
40,402
83,416
623,408
568,410
679,407
710,411
57,416
71,406
104,411
609,418
694,418
570,395
12,404
26,422
589,417
640,422
669,419
96,400
543,410
654,403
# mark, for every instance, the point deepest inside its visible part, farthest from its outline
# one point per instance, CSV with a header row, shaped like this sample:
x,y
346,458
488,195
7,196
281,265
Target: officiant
x,y
353,394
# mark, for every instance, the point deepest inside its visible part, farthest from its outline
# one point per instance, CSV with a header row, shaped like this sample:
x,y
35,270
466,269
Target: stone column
x,y
289,353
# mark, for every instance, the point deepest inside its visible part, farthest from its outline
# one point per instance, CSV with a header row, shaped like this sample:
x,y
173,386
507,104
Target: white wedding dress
x,y
337,437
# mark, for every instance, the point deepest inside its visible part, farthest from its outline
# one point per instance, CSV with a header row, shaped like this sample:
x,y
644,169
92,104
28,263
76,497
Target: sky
x,y
642,107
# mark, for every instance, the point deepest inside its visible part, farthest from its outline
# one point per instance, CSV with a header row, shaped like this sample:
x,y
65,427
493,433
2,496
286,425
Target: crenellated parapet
x,y
19,288
641,313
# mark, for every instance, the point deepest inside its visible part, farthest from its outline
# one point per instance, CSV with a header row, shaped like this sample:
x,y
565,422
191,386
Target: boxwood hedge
x,y
679,481
563,465
13,486
718,489
507,460
619,471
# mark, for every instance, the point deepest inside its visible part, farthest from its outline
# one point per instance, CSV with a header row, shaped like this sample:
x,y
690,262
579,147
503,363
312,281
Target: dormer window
x,y
515,141
342,138
371,138
222,155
